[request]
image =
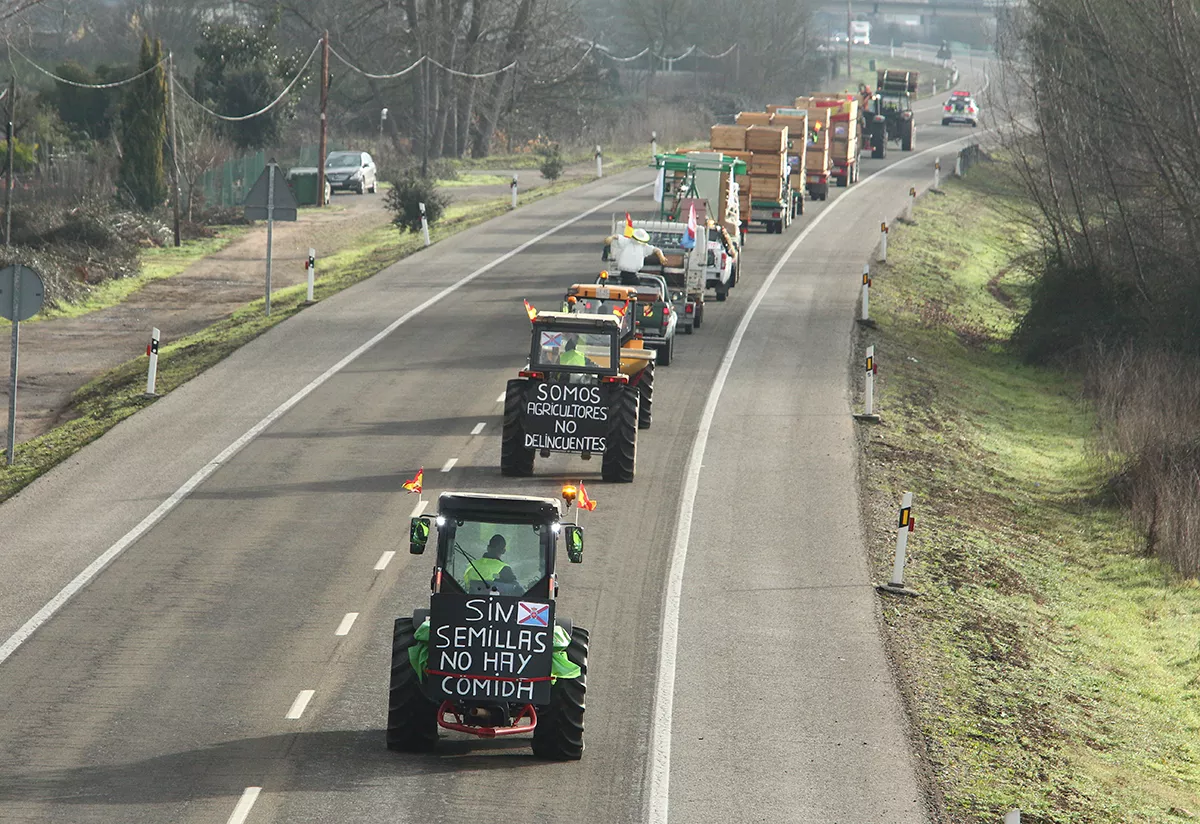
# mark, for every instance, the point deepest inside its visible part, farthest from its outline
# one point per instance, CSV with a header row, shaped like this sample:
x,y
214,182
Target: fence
x,y
227,184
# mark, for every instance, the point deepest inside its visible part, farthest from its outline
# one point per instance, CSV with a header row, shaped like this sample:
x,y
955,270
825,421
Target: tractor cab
x,y
584,348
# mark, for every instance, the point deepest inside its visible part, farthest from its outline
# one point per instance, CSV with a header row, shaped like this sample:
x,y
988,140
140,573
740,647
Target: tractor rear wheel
x,y
722,292
645,389
412,718
909,138
515,459
559,732
620,454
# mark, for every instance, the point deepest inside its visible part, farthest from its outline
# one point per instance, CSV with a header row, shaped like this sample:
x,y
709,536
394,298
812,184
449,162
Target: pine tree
x,y
144,132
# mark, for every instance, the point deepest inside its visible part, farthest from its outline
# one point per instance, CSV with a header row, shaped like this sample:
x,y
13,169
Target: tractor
x,y
573,397
490,657
890,117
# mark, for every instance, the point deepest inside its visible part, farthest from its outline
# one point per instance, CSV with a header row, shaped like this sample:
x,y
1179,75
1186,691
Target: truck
x,y
572,397
708,181
839,116
491,656
891,116
860,32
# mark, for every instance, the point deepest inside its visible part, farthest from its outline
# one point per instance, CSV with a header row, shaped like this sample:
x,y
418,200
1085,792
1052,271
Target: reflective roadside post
x,y
424,224
883,233
912,199
152,372
868,414
599,162
865,320
514,190
937,173
382,120
653,145
904,527
311,266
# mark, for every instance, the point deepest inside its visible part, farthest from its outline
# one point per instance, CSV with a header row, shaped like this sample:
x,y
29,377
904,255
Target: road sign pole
x,y
270,227
12,370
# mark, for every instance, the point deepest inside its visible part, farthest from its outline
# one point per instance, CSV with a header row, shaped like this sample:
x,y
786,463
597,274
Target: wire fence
x,y
227,184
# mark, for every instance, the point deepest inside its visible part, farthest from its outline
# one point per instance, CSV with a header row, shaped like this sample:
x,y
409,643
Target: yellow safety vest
x,y
488,567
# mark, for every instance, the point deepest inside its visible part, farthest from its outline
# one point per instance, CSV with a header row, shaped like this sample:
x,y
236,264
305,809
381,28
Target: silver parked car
x,y
351,171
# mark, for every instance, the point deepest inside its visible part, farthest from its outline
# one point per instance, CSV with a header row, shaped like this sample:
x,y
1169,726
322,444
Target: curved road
x,y
157,687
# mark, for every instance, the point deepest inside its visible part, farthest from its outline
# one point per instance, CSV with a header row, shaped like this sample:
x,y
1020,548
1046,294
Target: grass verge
x,y
117,394
1050,666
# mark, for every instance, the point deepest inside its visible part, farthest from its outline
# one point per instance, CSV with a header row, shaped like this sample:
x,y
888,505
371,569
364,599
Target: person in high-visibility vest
x,y
490,569
570,355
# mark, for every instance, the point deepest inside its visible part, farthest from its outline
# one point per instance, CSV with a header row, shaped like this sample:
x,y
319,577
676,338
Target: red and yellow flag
x,y
628,225
529,310
415,484
583,500
620,311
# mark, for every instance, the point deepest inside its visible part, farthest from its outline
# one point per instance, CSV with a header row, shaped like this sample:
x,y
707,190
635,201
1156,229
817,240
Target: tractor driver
x,y
490,569
570,355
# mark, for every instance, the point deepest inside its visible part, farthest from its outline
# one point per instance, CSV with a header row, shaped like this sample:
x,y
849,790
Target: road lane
x,y
159,693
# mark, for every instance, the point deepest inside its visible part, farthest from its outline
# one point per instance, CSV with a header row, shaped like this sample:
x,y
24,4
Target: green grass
x,y
117,394
1050,665
475,179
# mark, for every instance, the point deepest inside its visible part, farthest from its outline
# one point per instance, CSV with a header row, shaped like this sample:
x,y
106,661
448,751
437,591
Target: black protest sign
x,y
568,417
487,649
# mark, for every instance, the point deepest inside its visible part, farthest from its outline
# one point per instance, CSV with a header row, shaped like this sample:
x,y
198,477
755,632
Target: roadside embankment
x,y
1049,665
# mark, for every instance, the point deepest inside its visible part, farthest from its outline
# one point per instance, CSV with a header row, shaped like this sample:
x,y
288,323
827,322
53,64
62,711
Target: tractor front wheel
x,y
559,732
412,718
515,459
620,453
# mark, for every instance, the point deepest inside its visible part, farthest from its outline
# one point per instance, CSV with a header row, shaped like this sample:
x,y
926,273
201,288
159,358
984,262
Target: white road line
x,y
501,398
418,509
659,763
478,427
299,705
249,796
449,464
384,560
347,622
109,555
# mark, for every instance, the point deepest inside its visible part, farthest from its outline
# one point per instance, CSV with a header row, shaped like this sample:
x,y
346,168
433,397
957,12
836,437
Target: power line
x,y
64,80
367,74
264,109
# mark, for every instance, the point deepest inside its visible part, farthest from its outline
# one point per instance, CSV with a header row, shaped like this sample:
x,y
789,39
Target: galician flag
x,y
415,484
689,237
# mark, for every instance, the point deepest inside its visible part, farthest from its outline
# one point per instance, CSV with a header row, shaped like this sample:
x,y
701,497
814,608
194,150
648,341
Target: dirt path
x,y
61,355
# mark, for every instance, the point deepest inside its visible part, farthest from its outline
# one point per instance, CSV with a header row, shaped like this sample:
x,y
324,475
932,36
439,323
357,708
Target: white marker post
x,y
937,173
424,225
883,233
599,162
868,415
865,320
152,374
904,527
311,266
935,88
514,190
912,199
958,165
653,145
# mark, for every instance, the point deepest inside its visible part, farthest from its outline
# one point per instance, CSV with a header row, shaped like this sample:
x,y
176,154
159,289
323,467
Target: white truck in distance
x,y
860,33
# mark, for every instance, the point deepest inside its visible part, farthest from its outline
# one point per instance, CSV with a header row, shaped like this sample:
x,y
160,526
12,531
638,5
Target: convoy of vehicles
x,y
587,390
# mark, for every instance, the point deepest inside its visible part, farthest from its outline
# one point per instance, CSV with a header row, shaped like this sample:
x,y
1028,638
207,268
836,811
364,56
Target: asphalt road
x,y
159,692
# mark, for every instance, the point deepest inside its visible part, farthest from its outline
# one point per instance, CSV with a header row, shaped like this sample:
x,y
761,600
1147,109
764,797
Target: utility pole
x,y
849,41
324,143
174,144
8,181
425,119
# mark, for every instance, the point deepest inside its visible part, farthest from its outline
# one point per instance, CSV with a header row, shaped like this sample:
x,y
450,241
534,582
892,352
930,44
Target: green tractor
x,y
490,657
890,117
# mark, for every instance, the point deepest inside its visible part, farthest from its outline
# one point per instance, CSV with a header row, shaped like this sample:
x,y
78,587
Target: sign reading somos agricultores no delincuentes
x,y
568,417
491,648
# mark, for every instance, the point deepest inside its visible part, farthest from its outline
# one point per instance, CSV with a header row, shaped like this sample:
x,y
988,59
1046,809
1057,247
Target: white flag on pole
x,y
660,184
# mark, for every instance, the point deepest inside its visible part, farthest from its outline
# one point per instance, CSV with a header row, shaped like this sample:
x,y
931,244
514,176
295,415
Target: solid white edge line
x,y
108,556
347,623
249,796
417,510
659,762
478,427
449,464
384,560
300,704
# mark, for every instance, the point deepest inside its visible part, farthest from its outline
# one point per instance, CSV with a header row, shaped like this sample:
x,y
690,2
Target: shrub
x,y
405,197
552,163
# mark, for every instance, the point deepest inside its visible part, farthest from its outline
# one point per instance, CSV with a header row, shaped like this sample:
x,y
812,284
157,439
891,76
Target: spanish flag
x,y
628,225
583,500
415,484
620,311
529,310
